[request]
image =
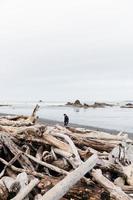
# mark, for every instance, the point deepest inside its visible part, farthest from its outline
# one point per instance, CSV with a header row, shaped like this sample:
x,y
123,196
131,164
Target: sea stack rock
x,y
69,104
86,105
77,103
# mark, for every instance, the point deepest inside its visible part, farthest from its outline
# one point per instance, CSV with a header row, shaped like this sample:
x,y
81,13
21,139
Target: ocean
x,y
116,118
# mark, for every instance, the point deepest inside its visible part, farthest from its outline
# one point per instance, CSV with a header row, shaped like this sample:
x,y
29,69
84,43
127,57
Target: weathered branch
x,y
26,190
49,166
115,191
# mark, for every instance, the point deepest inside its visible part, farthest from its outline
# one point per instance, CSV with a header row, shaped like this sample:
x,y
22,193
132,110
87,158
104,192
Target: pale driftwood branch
x,y
25,191
19,170
23,180
38,197
49,166
55,142
128,171
35,110
9,182
115,191
11,173
19,121
10,163
60,189
6,122
16,184
33,118
69,156
39,153
72,145
91,134
25,163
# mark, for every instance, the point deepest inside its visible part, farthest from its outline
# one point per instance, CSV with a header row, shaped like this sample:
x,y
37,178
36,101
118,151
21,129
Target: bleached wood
x,y
26,190
49,166
115,191
61,188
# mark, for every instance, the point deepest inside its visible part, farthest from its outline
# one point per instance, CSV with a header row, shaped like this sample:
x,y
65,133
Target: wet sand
x,y
112,131
53,122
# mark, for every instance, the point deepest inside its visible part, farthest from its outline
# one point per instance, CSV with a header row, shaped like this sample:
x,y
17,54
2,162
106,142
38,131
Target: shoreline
x,y
94,128
54,122
111,131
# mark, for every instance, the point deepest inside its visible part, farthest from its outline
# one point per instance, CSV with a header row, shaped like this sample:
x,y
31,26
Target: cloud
x,y
66,49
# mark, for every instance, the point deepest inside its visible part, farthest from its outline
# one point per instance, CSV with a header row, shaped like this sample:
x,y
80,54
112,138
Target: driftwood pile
x,y
43,162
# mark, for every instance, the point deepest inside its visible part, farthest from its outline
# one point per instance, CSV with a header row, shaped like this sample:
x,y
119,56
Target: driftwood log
x,y
115,191
26,190
63,186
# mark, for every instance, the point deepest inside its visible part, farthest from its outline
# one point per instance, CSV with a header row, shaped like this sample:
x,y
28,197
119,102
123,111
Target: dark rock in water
x,y
101,105
128,105
86,105
77,103
69,104
4,105
98,105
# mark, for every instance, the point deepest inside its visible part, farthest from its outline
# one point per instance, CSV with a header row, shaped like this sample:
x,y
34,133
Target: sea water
x,y
116,118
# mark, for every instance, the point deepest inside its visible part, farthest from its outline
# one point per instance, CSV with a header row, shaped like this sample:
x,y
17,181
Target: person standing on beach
x,y
66,120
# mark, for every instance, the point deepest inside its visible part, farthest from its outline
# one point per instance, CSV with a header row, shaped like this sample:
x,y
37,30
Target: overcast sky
x,y
66,49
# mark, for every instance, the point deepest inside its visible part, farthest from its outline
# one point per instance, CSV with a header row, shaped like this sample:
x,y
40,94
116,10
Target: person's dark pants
x,y
65,123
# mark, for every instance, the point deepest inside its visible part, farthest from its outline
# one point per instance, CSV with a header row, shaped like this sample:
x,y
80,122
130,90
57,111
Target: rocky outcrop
x,y
77,103
40,101
4,105
128,105
69,104
102,105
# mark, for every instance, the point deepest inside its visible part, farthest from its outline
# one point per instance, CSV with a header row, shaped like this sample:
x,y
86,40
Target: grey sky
x,y
62,50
